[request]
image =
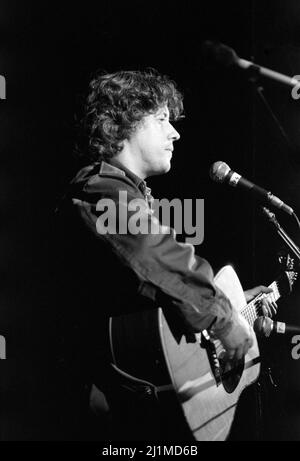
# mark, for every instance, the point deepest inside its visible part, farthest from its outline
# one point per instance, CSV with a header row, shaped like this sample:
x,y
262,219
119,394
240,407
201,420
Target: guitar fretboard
x,y
252,311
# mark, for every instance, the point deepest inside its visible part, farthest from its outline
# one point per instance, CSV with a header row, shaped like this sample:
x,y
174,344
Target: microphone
x,y
221,172
264,327
227,56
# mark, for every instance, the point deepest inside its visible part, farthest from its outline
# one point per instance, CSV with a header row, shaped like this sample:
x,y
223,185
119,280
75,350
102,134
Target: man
x,y
128,126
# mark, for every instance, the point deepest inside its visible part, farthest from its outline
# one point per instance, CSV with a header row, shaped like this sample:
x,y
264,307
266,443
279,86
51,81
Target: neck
x,y
131,163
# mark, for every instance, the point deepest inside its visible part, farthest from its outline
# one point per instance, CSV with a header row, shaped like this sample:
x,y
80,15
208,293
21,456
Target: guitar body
x,y
208,406
207,388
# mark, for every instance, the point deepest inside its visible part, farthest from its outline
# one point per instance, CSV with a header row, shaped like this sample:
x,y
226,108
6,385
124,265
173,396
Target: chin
x,y
165,168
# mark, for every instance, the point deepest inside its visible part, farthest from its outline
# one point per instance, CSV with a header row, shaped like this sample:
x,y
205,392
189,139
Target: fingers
x,y
268,307
264,289
267,303
235,354
238,340
239,352
253,292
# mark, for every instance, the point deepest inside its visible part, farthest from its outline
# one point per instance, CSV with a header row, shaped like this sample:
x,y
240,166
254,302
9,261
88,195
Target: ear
x,y
123,145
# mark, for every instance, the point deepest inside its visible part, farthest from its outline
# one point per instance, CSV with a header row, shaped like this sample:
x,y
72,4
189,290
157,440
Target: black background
x,y
47,53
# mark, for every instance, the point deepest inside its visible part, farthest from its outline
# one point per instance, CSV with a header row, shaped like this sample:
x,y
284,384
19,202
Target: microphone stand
x,y
254,77
281,232
296,251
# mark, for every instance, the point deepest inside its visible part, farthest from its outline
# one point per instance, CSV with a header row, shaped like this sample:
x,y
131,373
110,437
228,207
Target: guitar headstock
x,y
292,277
290,272
286,261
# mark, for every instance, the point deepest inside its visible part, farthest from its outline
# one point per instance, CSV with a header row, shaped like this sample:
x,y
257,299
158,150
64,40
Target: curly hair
x,y
116,104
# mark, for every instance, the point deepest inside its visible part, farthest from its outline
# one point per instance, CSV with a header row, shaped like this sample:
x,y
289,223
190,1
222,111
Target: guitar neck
x,y
252,311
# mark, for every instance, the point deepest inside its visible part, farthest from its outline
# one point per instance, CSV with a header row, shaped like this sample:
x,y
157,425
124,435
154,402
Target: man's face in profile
x,y
152,142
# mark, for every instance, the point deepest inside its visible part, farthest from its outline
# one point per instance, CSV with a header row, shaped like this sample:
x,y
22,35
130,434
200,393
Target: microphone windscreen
x,y
218,171
219,53
263,326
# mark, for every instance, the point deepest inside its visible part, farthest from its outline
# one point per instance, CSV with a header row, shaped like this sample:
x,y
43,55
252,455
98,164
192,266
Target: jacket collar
x,y
116,167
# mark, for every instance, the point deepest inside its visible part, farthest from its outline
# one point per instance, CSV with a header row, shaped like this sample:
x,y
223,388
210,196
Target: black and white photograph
x,y
150,233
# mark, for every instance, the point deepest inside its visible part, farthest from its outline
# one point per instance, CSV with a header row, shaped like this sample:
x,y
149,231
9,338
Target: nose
x,y
174,135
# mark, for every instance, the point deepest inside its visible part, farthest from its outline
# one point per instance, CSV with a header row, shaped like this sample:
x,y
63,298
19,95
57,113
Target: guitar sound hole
x,y
231,373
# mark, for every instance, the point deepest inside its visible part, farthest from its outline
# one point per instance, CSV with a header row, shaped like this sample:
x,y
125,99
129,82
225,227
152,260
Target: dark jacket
x,y
125,268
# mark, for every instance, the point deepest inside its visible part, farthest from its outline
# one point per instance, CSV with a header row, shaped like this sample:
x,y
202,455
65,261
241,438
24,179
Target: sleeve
x,y
114,210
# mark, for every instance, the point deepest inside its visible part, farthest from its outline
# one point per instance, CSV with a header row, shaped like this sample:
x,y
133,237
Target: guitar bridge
x,y
209,346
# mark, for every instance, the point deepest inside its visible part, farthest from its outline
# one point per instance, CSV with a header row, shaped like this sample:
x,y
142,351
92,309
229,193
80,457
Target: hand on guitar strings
x,y
267,305
239,339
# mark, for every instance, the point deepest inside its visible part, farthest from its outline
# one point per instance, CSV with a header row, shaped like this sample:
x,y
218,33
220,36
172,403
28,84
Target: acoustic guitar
x,y
206,387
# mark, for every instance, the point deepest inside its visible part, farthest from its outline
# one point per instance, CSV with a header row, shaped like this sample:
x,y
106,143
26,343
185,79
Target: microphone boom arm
x,y
281,232
268,73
